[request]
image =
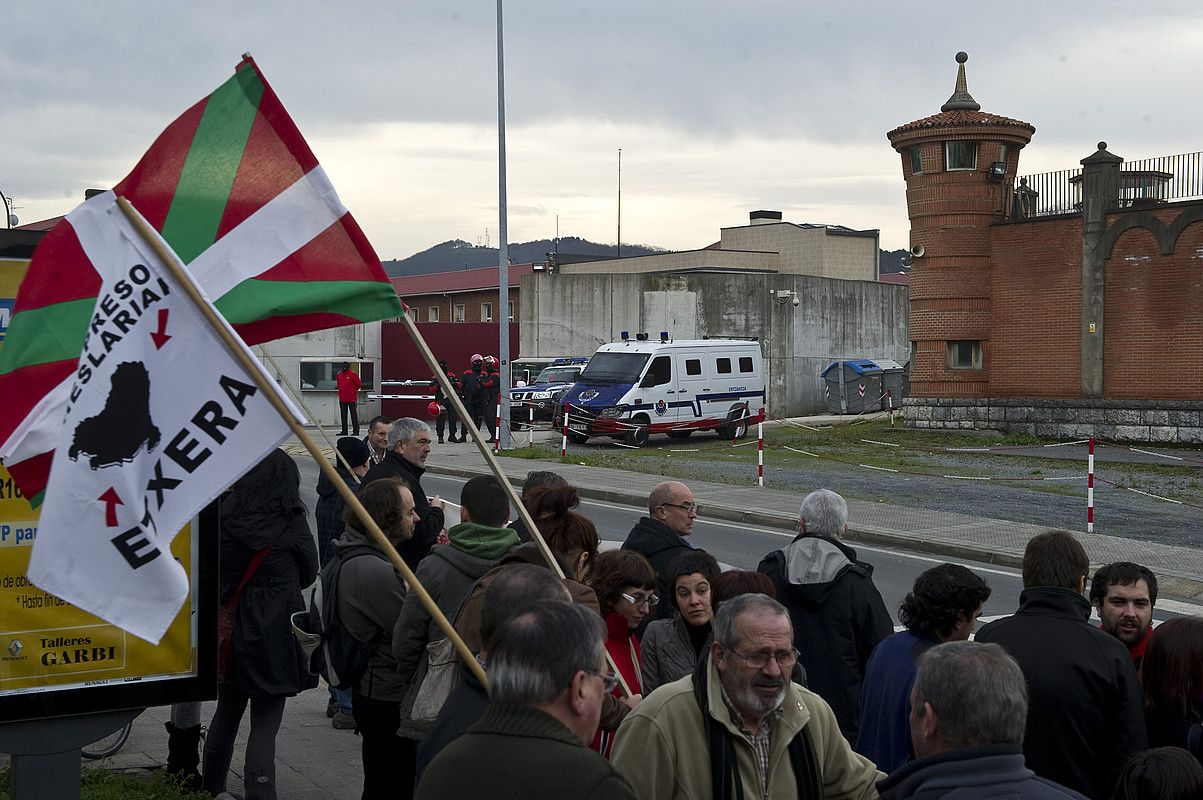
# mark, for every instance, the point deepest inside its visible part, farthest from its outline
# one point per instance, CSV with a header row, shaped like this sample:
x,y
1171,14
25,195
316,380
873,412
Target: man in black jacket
x,y
408,448
1086,714
837,612
661,535
968,707
474,392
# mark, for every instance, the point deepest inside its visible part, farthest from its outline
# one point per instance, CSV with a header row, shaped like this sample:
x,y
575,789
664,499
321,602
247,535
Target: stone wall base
x,y
1169,421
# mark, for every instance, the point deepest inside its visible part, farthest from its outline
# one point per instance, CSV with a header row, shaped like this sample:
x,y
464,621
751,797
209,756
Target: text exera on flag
x,y
161,417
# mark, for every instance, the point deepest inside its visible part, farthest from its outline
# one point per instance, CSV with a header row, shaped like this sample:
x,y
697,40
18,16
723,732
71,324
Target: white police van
x,y
632,389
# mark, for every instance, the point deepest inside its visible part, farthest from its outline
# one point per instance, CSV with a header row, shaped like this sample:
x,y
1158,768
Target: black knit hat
x,y
354,450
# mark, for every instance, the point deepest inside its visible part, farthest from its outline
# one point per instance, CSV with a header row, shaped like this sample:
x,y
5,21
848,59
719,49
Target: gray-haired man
x,y
969,706
547,675
837,612
739,710
408,447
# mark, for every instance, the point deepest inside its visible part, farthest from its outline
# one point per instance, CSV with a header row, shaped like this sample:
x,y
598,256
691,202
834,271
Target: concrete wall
x,y
573,314
687,259
349,343
810,251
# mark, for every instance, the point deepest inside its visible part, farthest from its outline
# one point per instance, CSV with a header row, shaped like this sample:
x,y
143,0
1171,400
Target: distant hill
x,y
458,254
891,261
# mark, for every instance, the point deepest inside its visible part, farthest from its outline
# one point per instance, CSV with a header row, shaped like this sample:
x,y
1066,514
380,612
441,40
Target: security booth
x,y
853,386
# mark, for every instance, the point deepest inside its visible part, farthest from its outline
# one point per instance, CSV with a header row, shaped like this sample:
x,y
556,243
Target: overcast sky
x,y
719,107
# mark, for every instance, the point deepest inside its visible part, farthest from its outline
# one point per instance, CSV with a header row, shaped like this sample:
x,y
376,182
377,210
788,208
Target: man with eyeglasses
x,y
837,613
660,537
547,676
738,726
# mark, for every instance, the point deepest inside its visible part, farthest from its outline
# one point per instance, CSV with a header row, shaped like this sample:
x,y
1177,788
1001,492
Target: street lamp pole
x,y
503,254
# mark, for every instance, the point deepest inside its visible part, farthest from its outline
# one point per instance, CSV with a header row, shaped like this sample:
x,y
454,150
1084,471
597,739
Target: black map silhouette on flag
x,y
117,433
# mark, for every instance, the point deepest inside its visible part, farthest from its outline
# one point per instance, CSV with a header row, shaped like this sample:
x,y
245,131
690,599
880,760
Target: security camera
x,y
917,251
797,302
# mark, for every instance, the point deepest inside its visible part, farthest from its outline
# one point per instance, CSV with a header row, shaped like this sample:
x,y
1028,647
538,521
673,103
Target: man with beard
x,y
1085,710
1124,594
738,727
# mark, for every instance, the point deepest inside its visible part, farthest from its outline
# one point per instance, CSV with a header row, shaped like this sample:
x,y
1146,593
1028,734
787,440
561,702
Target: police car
x,y
543,394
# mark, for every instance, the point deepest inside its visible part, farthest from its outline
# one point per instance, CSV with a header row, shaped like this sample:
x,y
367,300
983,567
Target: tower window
x,y
960,155
916,160
965,354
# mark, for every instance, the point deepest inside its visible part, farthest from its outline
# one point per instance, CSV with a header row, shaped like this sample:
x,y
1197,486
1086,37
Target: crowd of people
x,y
649,672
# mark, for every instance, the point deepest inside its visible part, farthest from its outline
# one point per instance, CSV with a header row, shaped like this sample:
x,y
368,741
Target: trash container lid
x,y
887,364
860,366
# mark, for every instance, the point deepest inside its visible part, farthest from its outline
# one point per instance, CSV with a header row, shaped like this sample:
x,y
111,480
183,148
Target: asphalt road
x,y
743,547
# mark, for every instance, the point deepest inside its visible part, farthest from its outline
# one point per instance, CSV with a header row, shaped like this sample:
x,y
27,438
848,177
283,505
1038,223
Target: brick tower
x,y
960,169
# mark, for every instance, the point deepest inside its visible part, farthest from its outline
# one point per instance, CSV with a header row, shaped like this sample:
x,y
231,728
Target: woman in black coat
x,y
266,666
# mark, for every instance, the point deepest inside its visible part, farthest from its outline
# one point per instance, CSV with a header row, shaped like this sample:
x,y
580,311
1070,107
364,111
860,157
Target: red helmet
x,y
490,360
434,409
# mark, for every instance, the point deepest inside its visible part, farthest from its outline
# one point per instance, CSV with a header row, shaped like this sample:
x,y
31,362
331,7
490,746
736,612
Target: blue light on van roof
x,y
664,336
625,335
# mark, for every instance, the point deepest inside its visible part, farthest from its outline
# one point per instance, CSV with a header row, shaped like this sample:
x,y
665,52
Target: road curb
x,y
1169,583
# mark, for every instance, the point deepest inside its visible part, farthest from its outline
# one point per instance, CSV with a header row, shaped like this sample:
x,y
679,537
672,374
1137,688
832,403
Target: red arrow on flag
x,y
111,501
160,336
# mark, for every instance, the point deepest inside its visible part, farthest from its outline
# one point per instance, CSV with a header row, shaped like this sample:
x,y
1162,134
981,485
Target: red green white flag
x,y
236,192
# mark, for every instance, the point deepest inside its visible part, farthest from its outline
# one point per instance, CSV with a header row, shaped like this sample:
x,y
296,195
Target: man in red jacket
x,y
348,397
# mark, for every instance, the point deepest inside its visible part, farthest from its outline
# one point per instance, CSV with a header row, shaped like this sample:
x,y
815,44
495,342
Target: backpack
x,y
330,649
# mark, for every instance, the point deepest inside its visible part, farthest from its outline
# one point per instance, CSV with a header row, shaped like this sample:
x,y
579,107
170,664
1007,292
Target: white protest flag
x,y
161,417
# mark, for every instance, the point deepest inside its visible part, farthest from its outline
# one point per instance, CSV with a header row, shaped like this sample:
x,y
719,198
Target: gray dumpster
x,y
853,386
895,380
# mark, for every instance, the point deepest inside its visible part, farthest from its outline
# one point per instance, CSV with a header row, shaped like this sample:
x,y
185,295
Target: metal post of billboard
x,y
45,752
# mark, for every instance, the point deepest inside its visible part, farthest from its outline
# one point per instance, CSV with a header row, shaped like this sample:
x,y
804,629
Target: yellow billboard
x,y
49,646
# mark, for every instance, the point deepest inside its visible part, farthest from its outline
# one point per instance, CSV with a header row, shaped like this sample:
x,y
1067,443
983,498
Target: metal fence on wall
x,y
1147,182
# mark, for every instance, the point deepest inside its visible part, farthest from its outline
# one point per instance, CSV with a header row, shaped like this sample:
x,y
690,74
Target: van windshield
x,y
558,375
609,368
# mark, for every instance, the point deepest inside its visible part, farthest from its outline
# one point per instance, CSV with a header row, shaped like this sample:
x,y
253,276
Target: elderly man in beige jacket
x,y
740,720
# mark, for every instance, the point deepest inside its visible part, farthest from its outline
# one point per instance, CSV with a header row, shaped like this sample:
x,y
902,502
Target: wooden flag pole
x,y
300,401
495,466
171,261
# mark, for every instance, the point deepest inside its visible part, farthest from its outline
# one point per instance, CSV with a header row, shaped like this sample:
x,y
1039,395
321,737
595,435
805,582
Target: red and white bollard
x,y
497,429
564,435
1090,486
890,399
760,448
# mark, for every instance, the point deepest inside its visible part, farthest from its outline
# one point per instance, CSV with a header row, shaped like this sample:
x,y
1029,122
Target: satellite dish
x,y
917,251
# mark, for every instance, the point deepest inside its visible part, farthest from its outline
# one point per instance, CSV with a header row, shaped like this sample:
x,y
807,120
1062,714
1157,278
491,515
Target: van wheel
x,y
679,434
638,435
577,438
736,427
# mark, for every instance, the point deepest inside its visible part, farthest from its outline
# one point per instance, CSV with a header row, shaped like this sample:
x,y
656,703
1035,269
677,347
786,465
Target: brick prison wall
x,y
1154,315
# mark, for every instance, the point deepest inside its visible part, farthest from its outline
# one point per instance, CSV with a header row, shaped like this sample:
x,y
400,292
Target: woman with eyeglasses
x,y
626,591
671,647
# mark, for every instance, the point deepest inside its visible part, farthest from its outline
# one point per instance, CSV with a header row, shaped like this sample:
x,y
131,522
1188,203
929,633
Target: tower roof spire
x,y
961,99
